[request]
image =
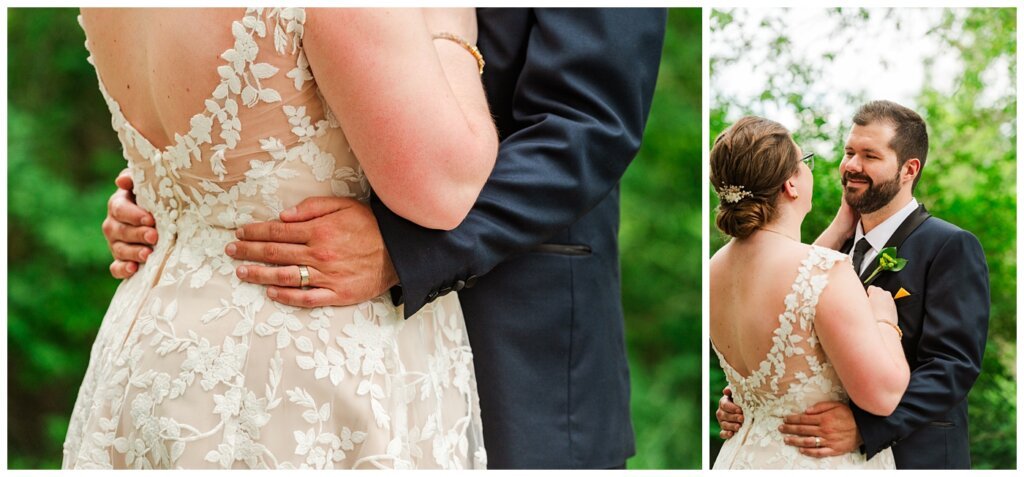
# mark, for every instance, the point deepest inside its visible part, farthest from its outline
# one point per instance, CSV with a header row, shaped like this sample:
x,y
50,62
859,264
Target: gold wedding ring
x,y
817,441
303,276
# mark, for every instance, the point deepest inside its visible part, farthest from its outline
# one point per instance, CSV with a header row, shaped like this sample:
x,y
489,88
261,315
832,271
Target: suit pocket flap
x,y
563,249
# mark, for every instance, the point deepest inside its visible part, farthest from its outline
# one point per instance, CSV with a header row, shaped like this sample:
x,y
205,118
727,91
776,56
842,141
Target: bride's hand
x,y
460,21
841,229
846,219
883,305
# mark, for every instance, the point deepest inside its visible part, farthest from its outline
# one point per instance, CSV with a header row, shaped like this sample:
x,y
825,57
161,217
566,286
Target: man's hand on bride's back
x,y
336,238
460,21
729,415
129,229
825,429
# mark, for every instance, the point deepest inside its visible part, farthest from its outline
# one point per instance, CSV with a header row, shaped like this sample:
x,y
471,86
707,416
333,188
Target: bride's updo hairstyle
x,y
750,163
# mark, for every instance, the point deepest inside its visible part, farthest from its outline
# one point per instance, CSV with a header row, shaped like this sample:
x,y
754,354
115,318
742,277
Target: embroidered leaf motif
x,y
268,95
304,344
249,96
305,362
280,40
263,70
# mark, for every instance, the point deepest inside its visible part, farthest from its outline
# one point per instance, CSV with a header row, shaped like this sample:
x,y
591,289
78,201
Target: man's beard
x,y
874,196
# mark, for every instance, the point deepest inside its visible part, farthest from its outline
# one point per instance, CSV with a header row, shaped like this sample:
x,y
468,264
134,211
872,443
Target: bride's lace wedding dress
x,y
794,376
194,368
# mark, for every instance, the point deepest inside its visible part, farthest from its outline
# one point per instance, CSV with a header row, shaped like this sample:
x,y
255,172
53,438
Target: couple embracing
x,y
857,351
291,253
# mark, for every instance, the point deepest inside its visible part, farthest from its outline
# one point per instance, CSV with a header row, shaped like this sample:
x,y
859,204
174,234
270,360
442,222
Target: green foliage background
x,y
63,157
969,178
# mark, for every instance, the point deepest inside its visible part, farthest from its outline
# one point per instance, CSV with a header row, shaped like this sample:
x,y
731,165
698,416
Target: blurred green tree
x,y
63,157
971,166
661,262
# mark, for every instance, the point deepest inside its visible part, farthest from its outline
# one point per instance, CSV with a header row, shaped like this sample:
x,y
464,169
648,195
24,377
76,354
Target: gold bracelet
x,y
472,49
895,327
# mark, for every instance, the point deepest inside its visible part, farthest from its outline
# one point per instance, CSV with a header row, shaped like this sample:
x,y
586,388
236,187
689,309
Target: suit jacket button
x,y
459,285
471,281
432,296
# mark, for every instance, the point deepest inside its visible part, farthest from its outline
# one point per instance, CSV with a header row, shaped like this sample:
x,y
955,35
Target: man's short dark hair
x,y
911,139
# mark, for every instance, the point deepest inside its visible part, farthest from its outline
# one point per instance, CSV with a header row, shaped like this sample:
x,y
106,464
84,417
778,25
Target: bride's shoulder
x,y
825,256
793,251
781,255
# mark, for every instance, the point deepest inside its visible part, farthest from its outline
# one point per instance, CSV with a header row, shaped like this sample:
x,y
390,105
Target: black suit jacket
x,y
945,324
570,91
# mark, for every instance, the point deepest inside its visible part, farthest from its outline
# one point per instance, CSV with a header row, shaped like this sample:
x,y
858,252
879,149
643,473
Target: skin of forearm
x,y
832,237
462,72
464,178
894,347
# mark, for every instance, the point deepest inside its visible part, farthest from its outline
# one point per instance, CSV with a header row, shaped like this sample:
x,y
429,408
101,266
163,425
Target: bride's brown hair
x,y
758,155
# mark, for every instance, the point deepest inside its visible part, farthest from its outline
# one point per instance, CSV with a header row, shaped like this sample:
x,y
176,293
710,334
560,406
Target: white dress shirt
x,y
879,235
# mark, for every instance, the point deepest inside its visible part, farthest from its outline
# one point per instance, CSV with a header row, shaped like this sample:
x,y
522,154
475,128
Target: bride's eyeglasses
x,y
809,160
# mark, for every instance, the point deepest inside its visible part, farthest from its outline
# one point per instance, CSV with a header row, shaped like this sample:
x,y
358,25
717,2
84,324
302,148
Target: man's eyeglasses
x,y
809,160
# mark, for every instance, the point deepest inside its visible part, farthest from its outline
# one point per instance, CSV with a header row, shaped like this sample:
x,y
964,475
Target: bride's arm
x,y
412,108
841,229
858,336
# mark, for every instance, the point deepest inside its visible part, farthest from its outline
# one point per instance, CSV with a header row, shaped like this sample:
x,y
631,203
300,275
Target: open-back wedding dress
x,y
794,376
194,368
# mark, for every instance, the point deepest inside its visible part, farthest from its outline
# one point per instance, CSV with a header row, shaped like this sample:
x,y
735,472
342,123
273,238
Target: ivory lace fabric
x,y
794,376
193,368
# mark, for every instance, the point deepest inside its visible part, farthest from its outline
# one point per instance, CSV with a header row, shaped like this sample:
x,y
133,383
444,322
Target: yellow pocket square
x,y
900,294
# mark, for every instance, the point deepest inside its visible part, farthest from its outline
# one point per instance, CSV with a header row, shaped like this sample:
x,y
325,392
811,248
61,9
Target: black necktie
x,y
858,253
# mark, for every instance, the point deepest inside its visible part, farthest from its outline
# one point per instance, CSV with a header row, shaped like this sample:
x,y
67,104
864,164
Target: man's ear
x,y
911,169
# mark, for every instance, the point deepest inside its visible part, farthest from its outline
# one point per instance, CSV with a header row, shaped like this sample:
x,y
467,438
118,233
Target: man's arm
x,y
584,94
950,349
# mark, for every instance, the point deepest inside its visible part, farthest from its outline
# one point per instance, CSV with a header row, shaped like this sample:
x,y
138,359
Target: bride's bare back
x,y
413,109
765,303
160,63
761,285
749,280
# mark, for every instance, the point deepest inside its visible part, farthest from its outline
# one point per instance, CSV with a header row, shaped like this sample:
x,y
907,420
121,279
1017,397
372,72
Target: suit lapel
x,y
911,223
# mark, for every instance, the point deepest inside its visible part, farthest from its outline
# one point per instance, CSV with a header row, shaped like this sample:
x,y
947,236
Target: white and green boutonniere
x,y
888,261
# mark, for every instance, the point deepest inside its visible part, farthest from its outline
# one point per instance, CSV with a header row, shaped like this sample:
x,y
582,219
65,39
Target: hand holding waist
x,y
336,238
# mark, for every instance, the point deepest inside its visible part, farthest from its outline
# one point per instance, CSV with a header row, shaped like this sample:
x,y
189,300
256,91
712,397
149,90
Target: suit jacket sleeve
x,y
952,342
582,98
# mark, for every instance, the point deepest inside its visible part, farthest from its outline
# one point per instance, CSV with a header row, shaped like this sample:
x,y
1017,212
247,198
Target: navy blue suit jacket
x,y
570,91
945,325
